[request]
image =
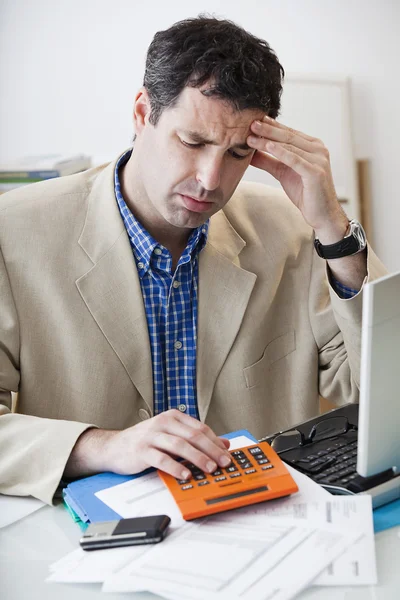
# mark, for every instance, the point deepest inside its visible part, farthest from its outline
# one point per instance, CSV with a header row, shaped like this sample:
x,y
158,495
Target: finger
x,y
164,462
276,124
268,163
267,145
178,446
198,425
225,442
288,157
286,135
214,449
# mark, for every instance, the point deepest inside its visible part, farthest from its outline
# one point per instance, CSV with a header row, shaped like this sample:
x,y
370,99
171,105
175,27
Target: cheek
x,y
234,171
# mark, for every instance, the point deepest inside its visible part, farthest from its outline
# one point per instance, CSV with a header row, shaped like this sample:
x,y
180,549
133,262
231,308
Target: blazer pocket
x,y
277,349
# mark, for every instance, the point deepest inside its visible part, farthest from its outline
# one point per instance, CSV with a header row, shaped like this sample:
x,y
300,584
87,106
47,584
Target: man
x,y
150,305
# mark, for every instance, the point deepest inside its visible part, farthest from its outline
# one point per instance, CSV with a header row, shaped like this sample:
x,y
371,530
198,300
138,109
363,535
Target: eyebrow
x,y
198,138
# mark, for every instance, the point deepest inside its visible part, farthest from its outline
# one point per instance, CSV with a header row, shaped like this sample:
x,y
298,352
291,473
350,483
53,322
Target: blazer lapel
x,y
224,292
111,288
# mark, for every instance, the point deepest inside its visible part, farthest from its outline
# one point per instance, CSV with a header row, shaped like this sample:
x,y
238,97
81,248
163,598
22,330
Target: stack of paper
x,y
280,546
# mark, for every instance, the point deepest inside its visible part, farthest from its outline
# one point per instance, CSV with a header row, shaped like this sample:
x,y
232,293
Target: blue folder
x,y
79,495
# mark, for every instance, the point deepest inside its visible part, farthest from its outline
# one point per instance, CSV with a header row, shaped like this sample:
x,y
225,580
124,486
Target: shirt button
x,y
140,265
178,345
176,284
157,251
182,407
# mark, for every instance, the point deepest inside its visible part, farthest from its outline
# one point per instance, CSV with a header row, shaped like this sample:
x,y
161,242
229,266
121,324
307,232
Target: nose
x,y
209,172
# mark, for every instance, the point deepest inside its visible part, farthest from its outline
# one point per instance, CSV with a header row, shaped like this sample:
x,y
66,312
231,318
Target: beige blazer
x,y
74,343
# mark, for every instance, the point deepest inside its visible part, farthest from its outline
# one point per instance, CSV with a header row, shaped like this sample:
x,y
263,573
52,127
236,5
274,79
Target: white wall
x,y
69,71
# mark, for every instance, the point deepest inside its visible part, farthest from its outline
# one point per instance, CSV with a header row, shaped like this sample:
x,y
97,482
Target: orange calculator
x,y
255,474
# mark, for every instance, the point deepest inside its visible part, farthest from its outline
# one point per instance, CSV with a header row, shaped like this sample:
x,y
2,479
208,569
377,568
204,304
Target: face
x,y
189,164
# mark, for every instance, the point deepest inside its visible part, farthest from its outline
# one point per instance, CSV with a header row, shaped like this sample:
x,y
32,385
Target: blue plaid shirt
x,y
170,300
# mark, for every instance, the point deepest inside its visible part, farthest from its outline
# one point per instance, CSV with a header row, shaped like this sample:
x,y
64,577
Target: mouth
x,y
196,205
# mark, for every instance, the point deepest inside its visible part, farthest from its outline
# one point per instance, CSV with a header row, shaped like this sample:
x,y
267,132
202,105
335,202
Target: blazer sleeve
x,y
33,450
336,325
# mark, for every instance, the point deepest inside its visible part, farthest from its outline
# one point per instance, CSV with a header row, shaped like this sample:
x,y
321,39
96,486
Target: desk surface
x,y
28,547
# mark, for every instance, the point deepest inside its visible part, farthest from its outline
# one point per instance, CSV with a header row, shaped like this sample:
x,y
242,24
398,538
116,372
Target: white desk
x,y
28,547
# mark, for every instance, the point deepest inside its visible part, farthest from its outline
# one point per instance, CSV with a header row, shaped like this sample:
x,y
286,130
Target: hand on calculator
x,y
155,442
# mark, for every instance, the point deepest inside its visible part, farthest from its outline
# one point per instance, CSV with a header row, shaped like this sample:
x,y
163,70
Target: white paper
x,y
140,497
14,508
357,566
81,566
240,441
232,555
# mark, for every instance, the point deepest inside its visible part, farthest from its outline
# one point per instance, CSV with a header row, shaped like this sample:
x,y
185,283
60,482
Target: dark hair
x,y
240,67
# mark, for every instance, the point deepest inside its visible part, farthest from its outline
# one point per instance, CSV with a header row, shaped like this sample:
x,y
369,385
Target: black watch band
x,y
352,243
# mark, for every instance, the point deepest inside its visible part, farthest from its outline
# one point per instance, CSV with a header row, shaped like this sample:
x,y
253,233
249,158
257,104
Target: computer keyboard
x,y
334,465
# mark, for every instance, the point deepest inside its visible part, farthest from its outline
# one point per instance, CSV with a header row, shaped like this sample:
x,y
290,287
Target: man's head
x,y
239,67
206,81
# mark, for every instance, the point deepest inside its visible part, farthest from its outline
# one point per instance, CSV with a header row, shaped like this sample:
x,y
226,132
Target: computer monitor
x,y
379,408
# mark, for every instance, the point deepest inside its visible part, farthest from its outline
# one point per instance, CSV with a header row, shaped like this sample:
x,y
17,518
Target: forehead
x,y
212,117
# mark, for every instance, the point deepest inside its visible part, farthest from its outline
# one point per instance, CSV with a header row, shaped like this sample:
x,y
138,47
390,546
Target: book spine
x,y
11,176
14,180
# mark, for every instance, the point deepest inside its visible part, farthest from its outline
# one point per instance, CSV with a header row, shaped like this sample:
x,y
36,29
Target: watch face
x,y
358,233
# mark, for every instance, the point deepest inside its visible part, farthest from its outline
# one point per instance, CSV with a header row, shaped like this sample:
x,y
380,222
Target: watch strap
x,y
350,244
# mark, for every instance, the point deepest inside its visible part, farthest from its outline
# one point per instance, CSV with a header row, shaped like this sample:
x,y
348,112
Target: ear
x,y
141,110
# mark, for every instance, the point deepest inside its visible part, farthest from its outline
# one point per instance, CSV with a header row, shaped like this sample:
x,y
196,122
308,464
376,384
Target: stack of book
x,y
31,169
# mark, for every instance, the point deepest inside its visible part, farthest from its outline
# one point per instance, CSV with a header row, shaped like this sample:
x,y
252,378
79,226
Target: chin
x,y
187,220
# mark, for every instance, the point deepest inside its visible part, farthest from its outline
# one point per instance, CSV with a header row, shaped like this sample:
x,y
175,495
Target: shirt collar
x,y
143,244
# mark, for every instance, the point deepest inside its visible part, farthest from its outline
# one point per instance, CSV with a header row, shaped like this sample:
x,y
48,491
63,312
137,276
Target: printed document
x,y
235,555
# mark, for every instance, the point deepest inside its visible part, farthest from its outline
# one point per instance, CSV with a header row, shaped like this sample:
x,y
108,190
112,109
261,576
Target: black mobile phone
x,y
126,532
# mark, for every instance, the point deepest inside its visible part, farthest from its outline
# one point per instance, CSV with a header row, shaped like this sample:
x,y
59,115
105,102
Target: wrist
x,y
333,231
90,455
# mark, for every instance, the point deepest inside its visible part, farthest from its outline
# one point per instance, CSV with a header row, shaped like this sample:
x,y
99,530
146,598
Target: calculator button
x,y
236,452
255,450
263,461
231,469
182,481
220,478
205,482
246,465
259,456
243,460
186,487
267,467
235,475
217,472
199,476
249,471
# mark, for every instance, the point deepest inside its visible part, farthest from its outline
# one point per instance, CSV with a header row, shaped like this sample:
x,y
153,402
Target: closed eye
x,y
238,156
191,145
234,154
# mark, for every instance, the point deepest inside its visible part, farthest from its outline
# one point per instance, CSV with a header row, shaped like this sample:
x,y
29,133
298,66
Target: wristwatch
x,y
353,242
